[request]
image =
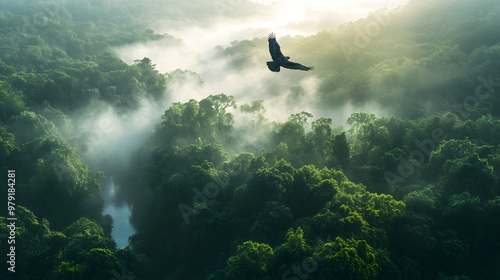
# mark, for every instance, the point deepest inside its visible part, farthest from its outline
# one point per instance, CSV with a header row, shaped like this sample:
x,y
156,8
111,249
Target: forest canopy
x,y
391,174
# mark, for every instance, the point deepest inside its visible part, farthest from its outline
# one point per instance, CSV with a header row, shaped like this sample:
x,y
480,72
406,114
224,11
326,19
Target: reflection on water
x,y
122,228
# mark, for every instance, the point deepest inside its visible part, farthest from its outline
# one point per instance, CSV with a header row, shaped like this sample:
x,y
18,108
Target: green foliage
x,y
7,144
293,249
31,243
408,191
424,201
463,213
59,171
67,270
207,119
29,125
11,102
309,193
250,262
456,158
83,225
272,222
353,259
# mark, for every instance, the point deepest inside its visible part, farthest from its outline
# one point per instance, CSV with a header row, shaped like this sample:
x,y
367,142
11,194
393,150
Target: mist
x,y
108,138
224,53
149,139
191,56
196,48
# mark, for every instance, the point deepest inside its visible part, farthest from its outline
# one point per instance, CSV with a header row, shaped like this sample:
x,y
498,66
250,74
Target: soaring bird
x,y
279,59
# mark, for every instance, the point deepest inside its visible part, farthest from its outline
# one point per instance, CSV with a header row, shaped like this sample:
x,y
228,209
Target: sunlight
x,y
289,11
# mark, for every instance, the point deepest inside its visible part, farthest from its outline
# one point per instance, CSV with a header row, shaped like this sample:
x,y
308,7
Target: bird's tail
x,y
273,66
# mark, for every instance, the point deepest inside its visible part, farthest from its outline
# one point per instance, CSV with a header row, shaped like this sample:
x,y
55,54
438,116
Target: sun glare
x,y
291,16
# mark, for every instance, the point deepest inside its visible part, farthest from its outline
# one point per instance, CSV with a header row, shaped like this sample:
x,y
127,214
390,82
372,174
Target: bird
x,y
279,60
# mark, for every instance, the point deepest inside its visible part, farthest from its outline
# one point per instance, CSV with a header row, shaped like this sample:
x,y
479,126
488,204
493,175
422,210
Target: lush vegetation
x,y
414,194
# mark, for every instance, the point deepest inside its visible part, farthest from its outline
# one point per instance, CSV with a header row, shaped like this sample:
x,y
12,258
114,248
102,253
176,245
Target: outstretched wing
x,y
279,59
273,66
274,47
295,66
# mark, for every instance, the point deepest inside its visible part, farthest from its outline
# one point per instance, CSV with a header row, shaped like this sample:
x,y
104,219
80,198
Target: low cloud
x,y
195,50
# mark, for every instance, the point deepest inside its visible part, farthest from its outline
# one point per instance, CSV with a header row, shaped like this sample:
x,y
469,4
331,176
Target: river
x,y
121,213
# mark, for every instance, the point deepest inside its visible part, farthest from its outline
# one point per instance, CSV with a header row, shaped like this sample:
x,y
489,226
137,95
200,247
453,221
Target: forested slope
x,y
410,194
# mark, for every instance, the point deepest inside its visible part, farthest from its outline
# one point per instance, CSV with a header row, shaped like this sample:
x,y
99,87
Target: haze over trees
x,y
219,188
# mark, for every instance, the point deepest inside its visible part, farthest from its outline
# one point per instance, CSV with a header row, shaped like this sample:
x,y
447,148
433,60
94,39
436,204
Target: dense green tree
x,y
267,184
339,152
456,158
207,119
7,145
425,201
270,225
348,259
11,102
59,171
293,249
463,213
309,192
251,261
31,242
